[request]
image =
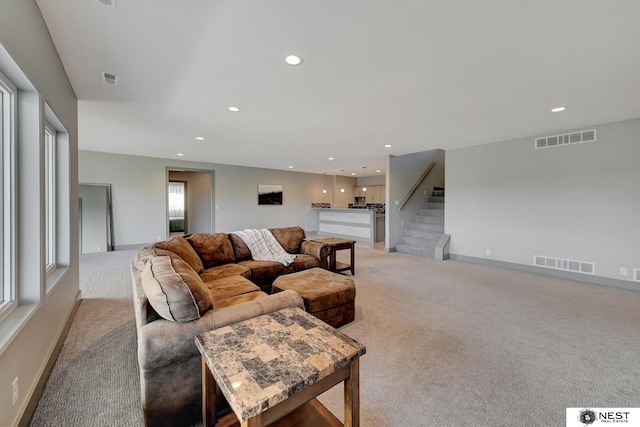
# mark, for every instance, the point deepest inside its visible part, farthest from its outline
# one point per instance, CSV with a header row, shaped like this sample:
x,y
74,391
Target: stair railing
x,y
415,187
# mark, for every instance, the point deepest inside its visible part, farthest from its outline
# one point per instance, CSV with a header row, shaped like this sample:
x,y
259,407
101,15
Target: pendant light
x,y
324,184
341,186
364,181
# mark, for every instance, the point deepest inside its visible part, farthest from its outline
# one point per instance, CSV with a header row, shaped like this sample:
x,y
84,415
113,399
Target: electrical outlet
x,y
403,223
397,203
98,248
14,391
487,252
425,192
624,271
159,237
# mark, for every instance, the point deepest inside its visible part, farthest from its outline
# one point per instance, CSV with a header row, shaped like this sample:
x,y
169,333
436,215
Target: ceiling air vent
x,y
110,78
110,3
564,264
566,139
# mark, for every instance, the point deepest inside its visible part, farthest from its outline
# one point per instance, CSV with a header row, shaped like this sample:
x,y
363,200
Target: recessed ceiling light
x,y
353,173
330,158
200,138
558,109
180,154
290,167
387,146
378,170
234,109
293,60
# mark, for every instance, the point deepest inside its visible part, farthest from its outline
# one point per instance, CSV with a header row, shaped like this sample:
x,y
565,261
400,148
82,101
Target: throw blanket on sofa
x,y
265,247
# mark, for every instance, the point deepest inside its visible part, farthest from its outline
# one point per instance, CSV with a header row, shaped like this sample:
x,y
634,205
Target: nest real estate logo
x,y
581,417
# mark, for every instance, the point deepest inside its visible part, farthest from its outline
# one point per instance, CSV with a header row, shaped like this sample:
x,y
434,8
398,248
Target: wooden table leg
x,y
253,422
353,258
352,396
332,259
209,396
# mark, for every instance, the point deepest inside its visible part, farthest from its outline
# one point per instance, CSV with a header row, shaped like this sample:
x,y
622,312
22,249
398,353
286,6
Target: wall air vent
x,y
636,274
565,139
564,264
110,78
110,3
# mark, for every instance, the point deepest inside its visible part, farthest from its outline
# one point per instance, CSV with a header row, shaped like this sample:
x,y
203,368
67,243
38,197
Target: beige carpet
x,y
448,344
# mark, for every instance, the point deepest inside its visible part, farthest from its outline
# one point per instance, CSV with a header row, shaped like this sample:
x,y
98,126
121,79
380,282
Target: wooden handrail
x,y
415,187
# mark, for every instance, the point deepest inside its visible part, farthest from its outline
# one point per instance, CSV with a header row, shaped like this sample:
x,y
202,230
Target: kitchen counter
x,y
358,224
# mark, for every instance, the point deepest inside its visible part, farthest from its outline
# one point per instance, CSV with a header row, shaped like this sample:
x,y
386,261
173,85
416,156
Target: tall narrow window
x,y
7,143
50,196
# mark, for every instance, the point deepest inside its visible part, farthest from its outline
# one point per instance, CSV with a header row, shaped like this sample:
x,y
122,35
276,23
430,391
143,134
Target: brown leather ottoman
x,y
328,296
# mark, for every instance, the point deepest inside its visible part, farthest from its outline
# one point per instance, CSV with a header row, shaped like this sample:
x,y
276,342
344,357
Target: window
x,y
7,205
50,197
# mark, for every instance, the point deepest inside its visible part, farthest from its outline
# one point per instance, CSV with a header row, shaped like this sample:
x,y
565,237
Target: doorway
x,y
95,225
193,212
177,207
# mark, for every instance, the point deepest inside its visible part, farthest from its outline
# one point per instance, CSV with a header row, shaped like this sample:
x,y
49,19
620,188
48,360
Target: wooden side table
x,y
270,369
337,244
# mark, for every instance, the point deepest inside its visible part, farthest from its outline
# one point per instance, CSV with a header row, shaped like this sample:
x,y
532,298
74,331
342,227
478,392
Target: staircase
x,y
426,228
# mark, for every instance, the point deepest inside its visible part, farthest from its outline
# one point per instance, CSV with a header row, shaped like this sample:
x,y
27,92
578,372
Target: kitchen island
x,y
357,224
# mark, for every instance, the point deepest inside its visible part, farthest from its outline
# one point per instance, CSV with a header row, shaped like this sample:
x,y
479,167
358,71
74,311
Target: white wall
x,y
139,199
29,334
577,202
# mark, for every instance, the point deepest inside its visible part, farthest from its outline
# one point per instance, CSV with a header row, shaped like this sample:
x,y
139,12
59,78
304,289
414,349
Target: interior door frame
x,y
109,215
212,195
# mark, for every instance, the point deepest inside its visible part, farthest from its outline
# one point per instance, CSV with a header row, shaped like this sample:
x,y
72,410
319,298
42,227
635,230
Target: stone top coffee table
x,y
274,365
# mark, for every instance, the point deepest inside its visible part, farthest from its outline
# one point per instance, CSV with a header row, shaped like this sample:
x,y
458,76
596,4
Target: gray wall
x,y
403,173
577,202
29,334
139,195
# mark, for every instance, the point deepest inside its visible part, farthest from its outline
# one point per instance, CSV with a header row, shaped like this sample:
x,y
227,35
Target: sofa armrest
x,y
163,342
316,249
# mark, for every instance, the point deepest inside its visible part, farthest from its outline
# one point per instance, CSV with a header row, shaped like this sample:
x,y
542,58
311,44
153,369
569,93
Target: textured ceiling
x,y
418,75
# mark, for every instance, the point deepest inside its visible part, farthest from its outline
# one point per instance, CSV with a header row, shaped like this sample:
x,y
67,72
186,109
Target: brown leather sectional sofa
x,y
186,286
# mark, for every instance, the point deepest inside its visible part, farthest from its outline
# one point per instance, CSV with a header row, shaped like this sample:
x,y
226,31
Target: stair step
x,y
428,219
435,199
412,250
427,226
434,205
424,234
431,212
419,242
437,193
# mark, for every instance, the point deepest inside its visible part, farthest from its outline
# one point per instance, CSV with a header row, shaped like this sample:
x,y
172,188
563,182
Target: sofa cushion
x,y
230,287
303,262
240,249
213,249
264,268
289,238
239,299
180,246
147,252
226,270
174,290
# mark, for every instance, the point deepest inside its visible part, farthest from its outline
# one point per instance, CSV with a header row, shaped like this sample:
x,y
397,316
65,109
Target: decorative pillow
x,y
147,252
174,290
240,249
289,238
214,249
180,246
